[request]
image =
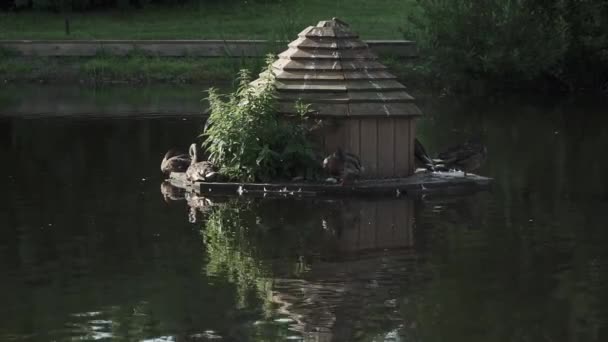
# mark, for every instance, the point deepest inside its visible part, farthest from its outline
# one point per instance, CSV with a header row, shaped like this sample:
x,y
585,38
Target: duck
x,y
343,165
174,162
466,157
203,171
423,160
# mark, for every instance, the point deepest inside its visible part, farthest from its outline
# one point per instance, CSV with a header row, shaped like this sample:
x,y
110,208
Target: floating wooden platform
x,y
451,183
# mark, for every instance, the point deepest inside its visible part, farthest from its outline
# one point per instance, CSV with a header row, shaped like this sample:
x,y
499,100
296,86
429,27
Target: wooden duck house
x,y
369,112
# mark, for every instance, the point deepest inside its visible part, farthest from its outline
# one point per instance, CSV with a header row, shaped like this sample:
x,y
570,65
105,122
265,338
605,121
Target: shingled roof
x,y
329,67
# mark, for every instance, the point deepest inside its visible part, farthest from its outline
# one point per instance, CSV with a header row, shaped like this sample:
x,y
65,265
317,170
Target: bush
x,y
247,139
586,63
491,40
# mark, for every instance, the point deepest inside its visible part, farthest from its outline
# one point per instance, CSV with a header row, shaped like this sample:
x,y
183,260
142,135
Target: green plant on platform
x,y
247,138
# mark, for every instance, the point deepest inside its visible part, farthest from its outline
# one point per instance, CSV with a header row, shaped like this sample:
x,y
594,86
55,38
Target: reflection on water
x,y
90,249
325,269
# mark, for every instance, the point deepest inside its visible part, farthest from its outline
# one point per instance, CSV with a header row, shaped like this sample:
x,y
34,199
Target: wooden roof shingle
x,y
329,67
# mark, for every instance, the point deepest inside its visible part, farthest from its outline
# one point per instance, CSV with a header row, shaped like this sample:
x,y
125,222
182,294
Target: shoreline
x,y
140,70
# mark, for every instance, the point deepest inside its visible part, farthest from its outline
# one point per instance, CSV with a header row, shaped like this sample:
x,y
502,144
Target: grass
x,y
282,19
139,69
271,20
132,69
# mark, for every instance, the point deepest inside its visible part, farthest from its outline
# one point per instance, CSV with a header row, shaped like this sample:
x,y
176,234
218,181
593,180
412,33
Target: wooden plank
x,y
308,43
308,75
420,183
402,139
369,147
375,96
384,109
386,148
313,54
355,136
368,74
321,32
321,109
411,158
374,85
313,97
362,65
337,136
350,43
302,65
311,86
358,54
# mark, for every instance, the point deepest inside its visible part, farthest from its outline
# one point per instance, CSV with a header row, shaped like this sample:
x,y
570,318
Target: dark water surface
x,y
89,250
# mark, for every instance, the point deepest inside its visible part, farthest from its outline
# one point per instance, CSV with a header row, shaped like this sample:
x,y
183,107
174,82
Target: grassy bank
x,y
382,19
130,69
465,45
138,69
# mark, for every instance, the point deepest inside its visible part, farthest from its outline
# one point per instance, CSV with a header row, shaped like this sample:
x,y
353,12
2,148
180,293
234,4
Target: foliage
x,y
586,63
248,140
513,42
493,40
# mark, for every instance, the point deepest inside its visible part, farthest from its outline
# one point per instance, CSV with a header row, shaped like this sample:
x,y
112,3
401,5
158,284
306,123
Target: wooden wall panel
x,y
385,145
354,145
332,137
339,135
369,147
386,148
402,148
412,137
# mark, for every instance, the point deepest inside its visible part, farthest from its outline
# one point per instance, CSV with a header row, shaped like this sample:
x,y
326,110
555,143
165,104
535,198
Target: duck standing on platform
x,y
343,165
466,157
203,171
174,162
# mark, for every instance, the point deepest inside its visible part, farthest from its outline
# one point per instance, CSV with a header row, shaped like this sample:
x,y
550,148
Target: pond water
x,y
90,250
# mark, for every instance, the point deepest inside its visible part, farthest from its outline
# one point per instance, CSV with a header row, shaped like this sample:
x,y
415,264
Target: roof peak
x,y
334,22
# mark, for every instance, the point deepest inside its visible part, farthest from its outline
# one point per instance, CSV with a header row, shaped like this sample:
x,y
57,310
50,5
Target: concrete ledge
x,y
179,48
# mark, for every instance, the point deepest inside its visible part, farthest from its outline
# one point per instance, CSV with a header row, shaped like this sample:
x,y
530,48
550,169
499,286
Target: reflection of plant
x,y
246,241
246,137
231,254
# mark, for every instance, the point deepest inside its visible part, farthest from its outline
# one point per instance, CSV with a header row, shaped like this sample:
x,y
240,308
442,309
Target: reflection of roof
x,y
337,300
329,67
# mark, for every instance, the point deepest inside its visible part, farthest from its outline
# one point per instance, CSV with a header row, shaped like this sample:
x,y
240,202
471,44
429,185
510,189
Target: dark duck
x,y
174,162
466,157
202,171
344,166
